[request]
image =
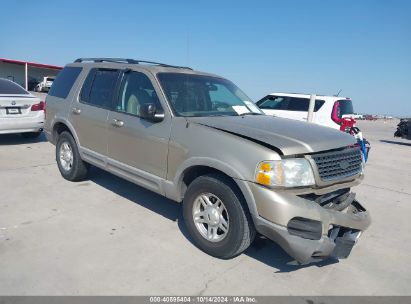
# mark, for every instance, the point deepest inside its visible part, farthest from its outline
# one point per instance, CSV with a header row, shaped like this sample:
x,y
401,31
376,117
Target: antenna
x,y
338,94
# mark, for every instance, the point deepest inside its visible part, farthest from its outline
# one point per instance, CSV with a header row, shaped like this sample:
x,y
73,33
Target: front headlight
x,y
292,172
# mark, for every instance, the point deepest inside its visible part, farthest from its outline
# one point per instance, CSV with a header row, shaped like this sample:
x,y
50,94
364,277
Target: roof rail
x,y
119,60
127,60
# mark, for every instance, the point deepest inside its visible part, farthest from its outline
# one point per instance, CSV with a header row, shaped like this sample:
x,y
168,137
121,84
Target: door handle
x,y
118,123
76,111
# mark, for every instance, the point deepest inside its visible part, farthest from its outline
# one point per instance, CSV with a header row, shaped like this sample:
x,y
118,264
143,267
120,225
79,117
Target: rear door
x,y
137,148
89,113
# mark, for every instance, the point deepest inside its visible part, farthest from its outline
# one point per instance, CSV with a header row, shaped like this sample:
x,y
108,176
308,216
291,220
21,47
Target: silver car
x,y
196,138
20,111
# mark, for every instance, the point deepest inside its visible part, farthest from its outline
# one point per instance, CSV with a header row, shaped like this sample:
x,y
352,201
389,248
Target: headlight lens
x,y
292,172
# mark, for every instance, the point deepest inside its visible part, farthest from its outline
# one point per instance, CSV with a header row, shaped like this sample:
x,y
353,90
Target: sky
x,y
361,47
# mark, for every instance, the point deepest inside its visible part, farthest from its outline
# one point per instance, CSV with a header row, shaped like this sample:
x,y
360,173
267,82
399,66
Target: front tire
x,y
217,217
69,162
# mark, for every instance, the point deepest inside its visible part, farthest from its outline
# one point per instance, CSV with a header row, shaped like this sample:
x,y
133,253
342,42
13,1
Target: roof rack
x,y
131,61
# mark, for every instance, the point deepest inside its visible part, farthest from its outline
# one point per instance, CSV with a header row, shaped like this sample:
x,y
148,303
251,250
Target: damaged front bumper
x,y
307,230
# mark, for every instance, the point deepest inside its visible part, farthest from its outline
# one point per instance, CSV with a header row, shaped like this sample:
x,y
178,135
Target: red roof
x,y
33,64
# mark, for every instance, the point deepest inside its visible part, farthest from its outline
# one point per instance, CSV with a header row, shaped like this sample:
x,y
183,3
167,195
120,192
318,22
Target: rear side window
x,y
99,87
345,107
287,103
9,87
64,81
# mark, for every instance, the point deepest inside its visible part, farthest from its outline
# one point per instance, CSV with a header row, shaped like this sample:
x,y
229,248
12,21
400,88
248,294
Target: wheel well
x,y
58,129
190,174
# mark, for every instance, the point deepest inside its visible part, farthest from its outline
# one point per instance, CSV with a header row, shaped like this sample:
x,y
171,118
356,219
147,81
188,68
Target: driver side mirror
x,y
148,112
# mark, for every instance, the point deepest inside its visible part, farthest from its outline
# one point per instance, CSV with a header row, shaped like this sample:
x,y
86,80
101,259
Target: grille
x,y
339,164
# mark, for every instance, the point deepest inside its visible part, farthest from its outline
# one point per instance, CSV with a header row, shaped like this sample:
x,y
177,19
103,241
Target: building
x,y
27,74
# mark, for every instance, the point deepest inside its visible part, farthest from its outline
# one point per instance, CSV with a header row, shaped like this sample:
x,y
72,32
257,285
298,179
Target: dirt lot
x,y
108,236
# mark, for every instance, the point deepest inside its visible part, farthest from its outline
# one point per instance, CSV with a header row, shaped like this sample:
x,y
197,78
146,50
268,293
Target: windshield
x,y
199,95
50,79
9,87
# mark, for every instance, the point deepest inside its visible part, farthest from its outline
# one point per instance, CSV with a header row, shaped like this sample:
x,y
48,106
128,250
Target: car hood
x,y
287,135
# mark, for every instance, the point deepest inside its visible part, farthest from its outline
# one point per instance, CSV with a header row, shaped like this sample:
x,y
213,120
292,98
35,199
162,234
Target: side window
x,y
318,104
288,103
302,104
98,87
85,90
273,103
64,81
135,90
298,104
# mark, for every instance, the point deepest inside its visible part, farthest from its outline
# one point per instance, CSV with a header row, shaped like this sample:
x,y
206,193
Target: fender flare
x,y
68,125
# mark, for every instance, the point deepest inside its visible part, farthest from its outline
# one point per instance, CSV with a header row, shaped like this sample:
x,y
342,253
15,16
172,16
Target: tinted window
x,y
9,87
345,107
136,89
85,90
99,87
64,81
288,103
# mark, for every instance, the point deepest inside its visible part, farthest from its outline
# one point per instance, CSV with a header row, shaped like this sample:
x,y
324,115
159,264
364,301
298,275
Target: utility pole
x,y
311,108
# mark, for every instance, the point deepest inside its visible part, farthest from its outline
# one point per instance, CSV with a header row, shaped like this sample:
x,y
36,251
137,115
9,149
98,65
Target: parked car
x,y
328,110
32,82
370,117
44,85
20,111
356,116
197,138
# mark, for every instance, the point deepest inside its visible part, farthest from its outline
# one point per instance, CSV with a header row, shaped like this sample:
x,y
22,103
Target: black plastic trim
x,y
305,228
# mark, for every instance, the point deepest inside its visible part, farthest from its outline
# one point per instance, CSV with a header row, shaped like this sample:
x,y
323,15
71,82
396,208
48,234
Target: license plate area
x,y
13,110
344,239
343,247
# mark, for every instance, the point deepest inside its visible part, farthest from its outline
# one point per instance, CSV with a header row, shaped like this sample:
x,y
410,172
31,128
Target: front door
x,y
137,148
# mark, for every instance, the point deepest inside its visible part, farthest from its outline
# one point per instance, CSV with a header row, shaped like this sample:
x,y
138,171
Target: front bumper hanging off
x,y
307,231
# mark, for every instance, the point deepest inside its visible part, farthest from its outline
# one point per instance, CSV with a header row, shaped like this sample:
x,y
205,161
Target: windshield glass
x,y
9,87
50,79
199,95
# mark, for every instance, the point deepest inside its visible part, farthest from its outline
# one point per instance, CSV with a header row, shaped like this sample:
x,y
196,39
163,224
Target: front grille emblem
x,y
13,103
344,165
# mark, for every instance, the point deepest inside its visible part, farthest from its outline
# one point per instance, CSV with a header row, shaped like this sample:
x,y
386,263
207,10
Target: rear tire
x,y
225,232
69,162
31,135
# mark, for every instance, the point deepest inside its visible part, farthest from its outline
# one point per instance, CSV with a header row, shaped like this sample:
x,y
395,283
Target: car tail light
x,y
41,106
334,115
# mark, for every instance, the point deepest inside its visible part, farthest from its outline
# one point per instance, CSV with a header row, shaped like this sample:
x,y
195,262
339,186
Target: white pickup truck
x,y
44,85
